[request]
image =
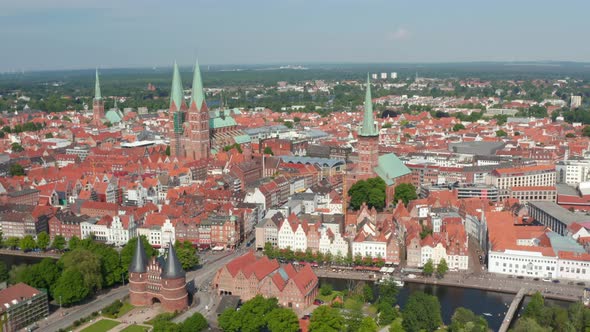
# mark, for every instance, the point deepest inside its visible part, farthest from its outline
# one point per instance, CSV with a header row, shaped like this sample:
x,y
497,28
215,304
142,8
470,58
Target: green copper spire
x,y
197,95
368,128
176,93
97,94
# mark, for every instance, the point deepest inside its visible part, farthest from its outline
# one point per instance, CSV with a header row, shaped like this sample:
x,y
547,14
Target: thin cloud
x,y
399,34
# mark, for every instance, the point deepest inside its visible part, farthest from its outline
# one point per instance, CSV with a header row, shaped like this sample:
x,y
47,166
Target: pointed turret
x,y
139,260
172,268
176,93
97,94
197,95
368,128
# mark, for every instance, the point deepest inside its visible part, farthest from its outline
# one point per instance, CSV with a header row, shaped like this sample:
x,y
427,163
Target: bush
x,y
113,308
326,289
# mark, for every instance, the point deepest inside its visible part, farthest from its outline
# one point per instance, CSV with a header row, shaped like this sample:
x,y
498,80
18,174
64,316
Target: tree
x,y
70,287
501,133
353,319
187,255
288,124
27,243
168,150
386,125
228,321
396,326
326,289
87,263
3,272
535,307
15,147
586,131
16,170
74,242
527,324
59,242
428,268
458,126
388,291
570,135
370,191
464,320
268,150
326,319
387,314
269,251
42,240
194,323
282,320
405,192
422,312
368,325
442,268
49,135
368,295
12,242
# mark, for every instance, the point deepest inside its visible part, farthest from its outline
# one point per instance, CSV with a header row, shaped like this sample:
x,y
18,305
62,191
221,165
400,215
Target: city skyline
x,y
68,34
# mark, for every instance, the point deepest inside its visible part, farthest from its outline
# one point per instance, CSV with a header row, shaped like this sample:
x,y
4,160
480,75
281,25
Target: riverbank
x,y
484,282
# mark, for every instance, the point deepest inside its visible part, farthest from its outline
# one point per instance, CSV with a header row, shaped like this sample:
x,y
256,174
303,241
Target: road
x,y
62,318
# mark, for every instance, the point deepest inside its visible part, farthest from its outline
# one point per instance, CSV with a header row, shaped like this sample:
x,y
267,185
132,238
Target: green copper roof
x,y
241,139
197,94
97,94
219,122
390,167
176,93
368,128
114,116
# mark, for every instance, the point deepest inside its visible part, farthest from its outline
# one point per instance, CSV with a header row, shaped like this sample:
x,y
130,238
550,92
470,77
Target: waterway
x,y
494,304
11,260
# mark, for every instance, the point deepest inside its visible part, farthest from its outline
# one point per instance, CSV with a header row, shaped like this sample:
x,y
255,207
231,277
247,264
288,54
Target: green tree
x,y
326,319
464,320
442,268
12,242
18,273
458,126
570,135
368,295
59,242
16,170
187,255
288,124
70,287
397,326
428,268
168,150
405,192
74,242
87,263
586,131
388,292
49,135
501,133
386,125
368,325
268,150
269,251
27,243
535,307
353,318
387,313
527,324
195,323
326,289
422,312
282,320
370,191
43,240
228,320
15,147
3,272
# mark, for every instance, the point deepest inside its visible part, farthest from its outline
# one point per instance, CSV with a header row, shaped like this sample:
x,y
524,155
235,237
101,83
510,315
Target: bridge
x,y
513,309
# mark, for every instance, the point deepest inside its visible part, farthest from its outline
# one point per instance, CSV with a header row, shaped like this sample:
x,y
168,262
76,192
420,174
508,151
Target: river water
x,y
479,301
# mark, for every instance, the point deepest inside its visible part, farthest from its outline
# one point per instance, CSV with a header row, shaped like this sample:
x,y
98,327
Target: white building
x,y
333,243
573,172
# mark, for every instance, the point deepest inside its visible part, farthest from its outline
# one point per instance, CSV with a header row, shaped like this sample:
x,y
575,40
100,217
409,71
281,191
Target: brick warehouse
x,y
159,280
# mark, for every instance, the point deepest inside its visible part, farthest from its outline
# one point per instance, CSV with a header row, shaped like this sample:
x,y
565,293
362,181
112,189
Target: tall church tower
x,y
97,104
177,114
198,121
368,140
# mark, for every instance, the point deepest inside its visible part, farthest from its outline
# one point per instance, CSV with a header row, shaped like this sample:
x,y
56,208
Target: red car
x,y
318,302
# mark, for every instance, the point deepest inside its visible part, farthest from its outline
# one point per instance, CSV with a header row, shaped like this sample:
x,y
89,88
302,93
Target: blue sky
x,y
64,34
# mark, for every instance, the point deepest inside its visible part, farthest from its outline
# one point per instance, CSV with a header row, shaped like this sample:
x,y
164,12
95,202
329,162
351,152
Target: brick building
x,y
157,280
21,305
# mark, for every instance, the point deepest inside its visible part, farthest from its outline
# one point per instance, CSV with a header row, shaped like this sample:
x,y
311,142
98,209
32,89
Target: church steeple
x,y
97,94
368,127
197,95
176,93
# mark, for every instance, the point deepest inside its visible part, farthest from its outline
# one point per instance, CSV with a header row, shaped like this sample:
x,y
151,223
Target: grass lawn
x,y
328,298
135,328
125,308
102,325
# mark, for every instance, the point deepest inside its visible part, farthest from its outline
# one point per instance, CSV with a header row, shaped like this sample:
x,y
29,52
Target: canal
x,y
11,260
493,304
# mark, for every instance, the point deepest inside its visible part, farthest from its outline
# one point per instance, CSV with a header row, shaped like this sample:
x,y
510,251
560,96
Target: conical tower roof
x,y
368,128
172,268
139,260
176,93
97,94
197,95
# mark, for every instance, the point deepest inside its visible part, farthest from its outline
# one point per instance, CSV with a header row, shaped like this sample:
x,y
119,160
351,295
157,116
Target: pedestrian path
x,y
513,309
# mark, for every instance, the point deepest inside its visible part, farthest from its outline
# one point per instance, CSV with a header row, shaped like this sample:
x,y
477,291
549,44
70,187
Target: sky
x,y
77,34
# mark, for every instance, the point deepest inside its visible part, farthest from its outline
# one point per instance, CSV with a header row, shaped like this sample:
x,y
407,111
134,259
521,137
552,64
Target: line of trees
x,y
308,256
540,317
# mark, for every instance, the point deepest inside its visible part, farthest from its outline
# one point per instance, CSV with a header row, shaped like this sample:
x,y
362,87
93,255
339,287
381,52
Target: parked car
x,y
555,281
318,302
581,284
306,317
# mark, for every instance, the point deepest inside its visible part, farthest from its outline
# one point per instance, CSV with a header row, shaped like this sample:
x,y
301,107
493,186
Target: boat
x,y
398,283
487,314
